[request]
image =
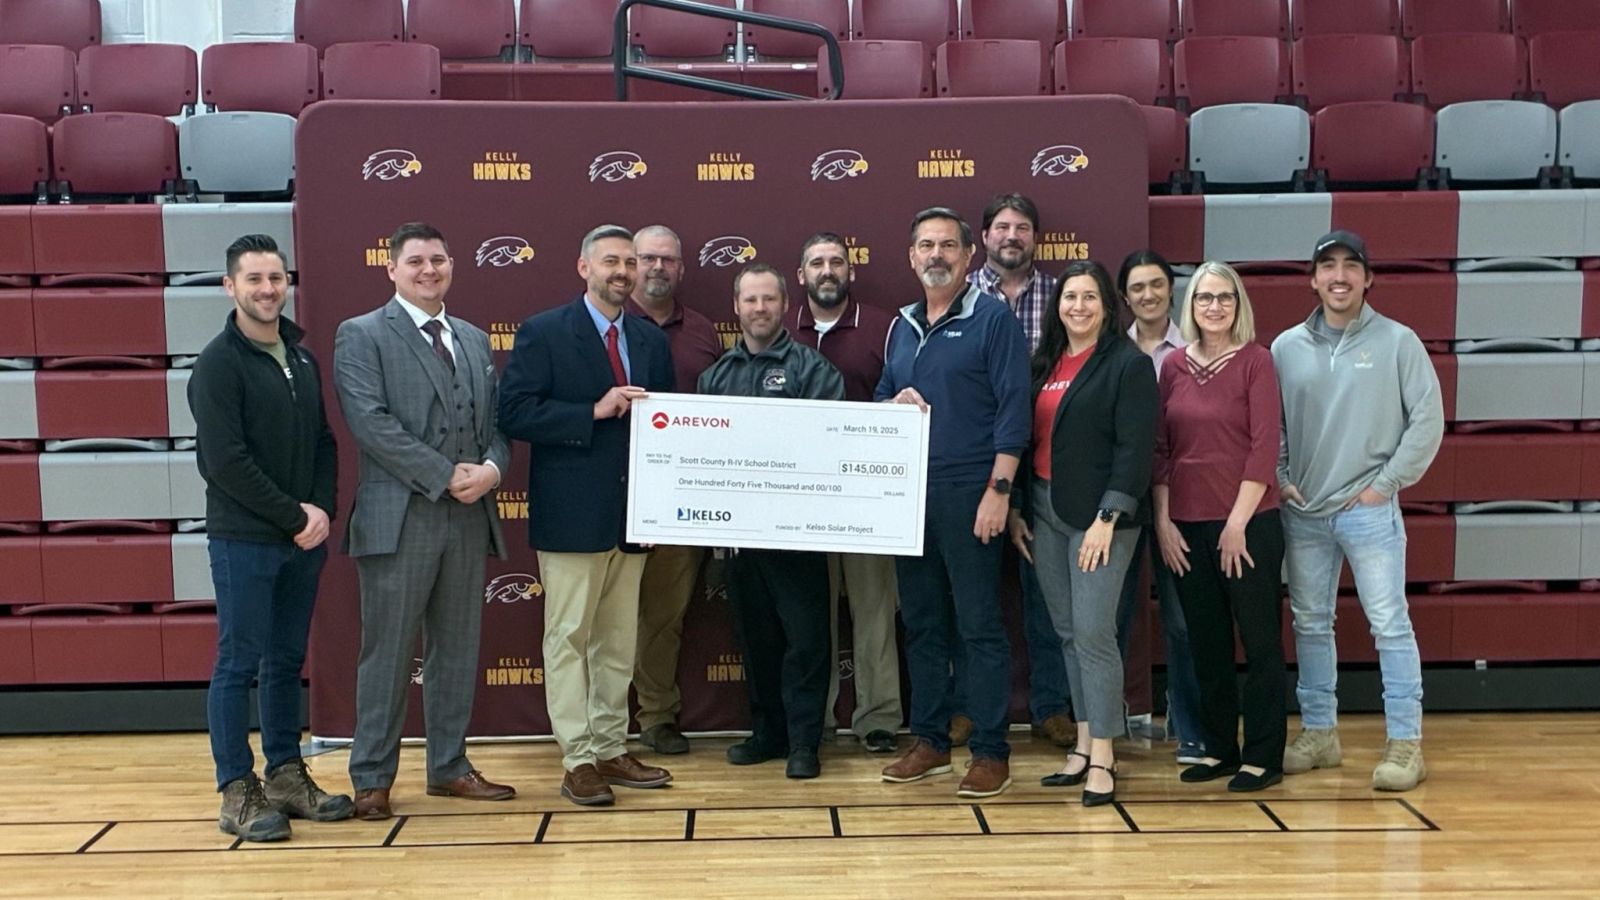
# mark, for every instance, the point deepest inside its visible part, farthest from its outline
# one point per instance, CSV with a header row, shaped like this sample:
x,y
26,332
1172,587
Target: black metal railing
x,y
626,68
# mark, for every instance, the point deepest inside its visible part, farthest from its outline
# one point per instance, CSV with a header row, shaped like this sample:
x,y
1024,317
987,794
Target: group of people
x,y
1051,426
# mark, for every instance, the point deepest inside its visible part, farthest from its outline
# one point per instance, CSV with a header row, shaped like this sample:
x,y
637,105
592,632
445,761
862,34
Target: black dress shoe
x,y
879,741
803,764
1096,798
1062,779
1244,782
751,751
1205,772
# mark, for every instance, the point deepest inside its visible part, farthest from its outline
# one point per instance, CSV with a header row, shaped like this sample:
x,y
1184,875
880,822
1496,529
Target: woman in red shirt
x,y
1216,519
1089,467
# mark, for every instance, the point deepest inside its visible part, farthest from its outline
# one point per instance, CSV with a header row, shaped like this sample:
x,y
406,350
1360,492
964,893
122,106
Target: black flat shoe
x,y
1204,772
1244,782
1095,798
1062,779
803,763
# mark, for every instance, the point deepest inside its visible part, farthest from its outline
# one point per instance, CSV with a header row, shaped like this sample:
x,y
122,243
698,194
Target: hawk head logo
x,y
837,165
728,250
387,165
617,166
659,420
512,587
1059,160
504,250
416,670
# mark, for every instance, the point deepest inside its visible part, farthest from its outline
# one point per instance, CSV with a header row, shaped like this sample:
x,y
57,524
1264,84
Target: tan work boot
x,y
1401,768
1313,748
291,791
246,812
1059,728
960,730
920,762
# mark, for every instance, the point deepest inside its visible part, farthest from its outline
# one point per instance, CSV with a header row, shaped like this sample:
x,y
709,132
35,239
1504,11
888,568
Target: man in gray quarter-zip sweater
x,y
1362,419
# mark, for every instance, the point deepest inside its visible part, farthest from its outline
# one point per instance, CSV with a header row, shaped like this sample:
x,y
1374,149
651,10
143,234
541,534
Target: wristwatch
x,y
1107,515
1001,486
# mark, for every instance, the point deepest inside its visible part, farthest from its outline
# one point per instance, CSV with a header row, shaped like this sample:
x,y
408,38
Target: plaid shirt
x,y
1029,304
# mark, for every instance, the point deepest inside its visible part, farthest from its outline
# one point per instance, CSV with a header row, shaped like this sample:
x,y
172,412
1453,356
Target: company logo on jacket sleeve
x,y
617,165
1059,160
387,165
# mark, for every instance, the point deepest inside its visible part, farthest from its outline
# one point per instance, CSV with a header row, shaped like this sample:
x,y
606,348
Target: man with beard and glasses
x,y
851,336
573,376
669,572
959,354
776,595
1010,234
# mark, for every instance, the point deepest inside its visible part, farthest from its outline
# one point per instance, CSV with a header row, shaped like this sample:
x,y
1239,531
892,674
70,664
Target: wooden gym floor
x,y
1512,804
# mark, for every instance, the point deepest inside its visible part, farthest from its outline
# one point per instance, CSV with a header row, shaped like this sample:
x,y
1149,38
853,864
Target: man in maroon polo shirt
x,y
851,336
669,572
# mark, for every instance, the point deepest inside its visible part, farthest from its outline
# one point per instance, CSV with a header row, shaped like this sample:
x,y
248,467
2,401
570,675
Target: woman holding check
x,y
1094,412
1216,520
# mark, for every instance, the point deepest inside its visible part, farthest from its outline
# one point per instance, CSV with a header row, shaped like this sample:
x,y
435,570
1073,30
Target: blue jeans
x,y
265,593
1183,688
1373,538
950,604
1047,673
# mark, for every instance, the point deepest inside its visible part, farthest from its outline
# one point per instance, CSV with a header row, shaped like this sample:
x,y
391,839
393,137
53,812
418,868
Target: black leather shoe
x,y
1244,782
1096,798
1062,779
879,741
751,751
803,764
1204,772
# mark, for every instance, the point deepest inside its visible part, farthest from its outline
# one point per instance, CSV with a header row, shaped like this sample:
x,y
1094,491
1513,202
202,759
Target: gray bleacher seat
x,y
1501,546
1249,143
1580,138
1519,305
188,488
1498,224
1590,560
191,569
88,486
247,152
180,421
194,315
1591,386
1495,140
19,407
1253,227
195,237
1492,386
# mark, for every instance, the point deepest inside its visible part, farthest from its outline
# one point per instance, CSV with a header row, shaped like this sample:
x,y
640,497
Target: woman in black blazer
x,y
1079,514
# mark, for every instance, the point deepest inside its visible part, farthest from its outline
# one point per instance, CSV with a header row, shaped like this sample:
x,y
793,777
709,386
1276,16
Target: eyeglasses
x,y
649,259
1225,299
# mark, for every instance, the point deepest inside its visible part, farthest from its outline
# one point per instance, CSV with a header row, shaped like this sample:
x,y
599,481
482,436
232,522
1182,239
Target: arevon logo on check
x,y
662,420
686,514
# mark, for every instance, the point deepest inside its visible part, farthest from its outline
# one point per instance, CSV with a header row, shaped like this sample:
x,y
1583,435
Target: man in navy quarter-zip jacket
x,y
961,356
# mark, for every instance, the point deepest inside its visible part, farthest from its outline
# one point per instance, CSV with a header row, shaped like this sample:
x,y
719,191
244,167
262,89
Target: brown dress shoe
x,y
985,778
473,786
372,804
918,763
960,730
1059,728
585,787
627,771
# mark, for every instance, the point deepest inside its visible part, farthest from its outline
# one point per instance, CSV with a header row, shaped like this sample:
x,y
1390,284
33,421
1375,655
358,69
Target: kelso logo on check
x,y
661,420
686,514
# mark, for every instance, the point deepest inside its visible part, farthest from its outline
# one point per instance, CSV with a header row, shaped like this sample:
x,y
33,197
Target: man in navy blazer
x,y
574,374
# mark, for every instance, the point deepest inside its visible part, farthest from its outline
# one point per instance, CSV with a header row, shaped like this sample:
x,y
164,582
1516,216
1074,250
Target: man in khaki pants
x,y
574,373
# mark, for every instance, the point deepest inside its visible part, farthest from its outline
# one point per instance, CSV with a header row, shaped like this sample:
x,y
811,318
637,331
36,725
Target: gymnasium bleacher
x,y
126,168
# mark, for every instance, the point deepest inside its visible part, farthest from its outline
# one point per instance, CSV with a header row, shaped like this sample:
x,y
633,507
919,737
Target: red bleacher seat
x,y
117,403
1533,17
19,488
24,154
1211,70
115,153
323,23
188,646
96,649
142,564
1564,66
1518,466
1344,68
1125,18
1044,21
159,79
1136,68
990,68
1345,17
879,70
930,21
670,34
1372,142
1419,17
74,24
259,76
1263,18
24,581
89,244
1457,66
1521,627
465,29
568,29
1167,132
380,71
16,651
775,43
16,323
37,80
96,323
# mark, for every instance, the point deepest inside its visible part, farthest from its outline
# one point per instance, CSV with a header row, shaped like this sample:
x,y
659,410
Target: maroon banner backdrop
x,y
514,186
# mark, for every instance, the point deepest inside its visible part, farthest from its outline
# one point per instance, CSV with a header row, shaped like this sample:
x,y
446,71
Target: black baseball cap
x,y
1341,238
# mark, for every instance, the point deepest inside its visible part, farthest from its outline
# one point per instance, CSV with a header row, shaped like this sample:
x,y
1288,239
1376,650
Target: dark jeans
x,y
779,601
1213,604
1047,674
950,604
265,593
1183,690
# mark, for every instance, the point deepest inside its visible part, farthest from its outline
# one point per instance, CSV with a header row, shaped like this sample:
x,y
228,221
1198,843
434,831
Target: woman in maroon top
x,y
1216,519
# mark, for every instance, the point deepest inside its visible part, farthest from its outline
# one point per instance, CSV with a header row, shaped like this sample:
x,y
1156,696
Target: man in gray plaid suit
x,y
418,390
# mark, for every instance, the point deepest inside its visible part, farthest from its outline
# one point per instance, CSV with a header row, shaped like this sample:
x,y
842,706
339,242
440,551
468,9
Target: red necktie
x,y
616,355
435,329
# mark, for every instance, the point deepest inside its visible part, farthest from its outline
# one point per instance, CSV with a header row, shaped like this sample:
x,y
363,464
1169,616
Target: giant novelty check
x,y
777,474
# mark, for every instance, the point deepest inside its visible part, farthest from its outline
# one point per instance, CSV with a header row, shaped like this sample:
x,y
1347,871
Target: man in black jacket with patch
x,y
267,457
779,598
